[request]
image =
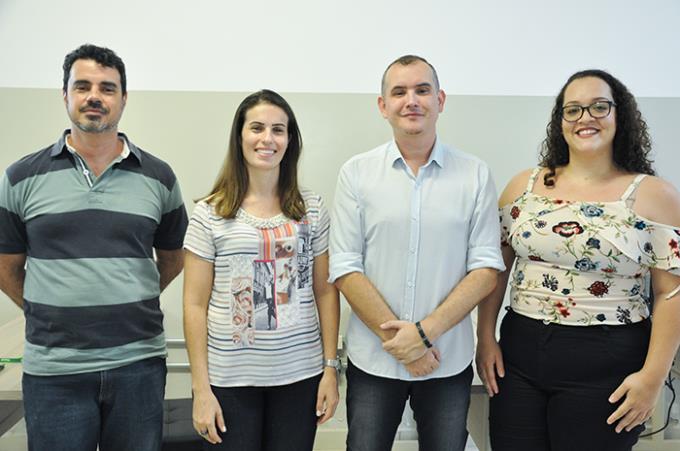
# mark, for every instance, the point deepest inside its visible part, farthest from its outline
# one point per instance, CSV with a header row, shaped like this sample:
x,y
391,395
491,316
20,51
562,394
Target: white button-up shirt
x,y
415,238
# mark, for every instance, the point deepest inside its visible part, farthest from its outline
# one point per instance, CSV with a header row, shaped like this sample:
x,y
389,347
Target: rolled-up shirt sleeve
x,y
484,240
347,238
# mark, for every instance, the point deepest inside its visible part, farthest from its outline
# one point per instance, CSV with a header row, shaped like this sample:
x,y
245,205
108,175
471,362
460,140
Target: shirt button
x,y
410,284
407,317
412,250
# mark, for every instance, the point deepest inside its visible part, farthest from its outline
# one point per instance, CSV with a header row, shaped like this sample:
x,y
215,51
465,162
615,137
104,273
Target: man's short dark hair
x,y
405,61
102,55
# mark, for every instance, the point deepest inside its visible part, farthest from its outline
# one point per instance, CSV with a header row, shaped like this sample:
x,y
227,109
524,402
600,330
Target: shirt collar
x,y
437,154
128,148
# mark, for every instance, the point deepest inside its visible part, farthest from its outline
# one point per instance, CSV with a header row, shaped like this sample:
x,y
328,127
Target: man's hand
x,y
406,345
426,364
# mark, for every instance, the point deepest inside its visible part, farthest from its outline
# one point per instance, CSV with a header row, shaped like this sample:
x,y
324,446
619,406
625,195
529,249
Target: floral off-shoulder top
x,y
584,263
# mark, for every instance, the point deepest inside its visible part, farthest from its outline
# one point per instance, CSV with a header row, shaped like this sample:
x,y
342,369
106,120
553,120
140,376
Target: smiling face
x,y
411,102
589,134
264,137
93,97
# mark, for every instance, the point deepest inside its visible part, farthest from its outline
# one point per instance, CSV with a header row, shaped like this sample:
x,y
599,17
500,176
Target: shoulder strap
x,y
629,195
532,179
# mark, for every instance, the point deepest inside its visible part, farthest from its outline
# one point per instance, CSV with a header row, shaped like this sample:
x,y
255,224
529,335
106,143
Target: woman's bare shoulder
x,y
657,199
515,187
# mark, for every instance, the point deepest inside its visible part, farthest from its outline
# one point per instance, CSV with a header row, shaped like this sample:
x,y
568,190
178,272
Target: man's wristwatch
x,y
333,363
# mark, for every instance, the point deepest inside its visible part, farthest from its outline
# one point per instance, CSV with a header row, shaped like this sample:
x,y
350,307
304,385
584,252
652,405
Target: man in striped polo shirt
x,y
79,223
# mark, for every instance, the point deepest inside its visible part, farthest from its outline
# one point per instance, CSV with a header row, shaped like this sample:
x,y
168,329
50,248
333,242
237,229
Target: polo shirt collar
x,y
60,146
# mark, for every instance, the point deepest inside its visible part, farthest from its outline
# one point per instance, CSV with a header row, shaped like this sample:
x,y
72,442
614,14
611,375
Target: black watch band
x,y
426,341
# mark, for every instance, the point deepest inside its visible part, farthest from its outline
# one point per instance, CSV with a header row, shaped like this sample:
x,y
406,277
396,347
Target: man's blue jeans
x,y
119,409
375,406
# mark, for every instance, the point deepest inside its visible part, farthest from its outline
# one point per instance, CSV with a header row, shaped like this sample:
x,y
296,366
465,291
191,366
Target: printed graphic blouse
x,y
584,263
262,320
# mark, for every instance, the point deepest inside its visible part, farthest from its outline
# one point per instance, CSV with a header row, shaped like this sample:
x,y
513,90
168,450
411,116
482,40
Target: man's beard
x,y
95,126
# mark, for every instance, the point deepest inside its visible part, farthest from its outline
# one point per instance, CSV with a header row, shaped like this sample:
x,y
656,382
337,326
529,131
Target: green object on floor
x,y
10,360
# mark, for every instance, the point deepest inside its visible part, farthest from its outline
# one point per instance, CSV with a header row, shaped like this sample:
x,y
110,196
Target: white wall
x,y
493,47
490,54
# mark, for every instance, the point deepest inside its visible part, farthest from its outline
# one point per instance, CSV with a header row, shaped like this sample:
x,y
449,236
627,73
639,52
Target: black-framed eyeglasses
x,y
597,110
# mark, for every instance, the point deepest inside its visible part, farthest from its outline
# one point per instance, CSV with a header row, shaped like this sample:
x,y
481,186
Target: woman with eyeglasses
x,y
260,318
579,364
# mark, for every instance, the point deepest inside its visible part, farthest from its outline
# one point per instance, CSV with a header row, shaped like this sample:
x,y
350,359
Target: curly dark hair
x,y
632,143
102,55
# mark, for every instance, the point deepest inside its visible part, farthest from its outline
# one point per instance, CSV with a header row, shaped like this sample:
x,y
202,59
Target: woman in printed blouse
x,y
262,365
579,365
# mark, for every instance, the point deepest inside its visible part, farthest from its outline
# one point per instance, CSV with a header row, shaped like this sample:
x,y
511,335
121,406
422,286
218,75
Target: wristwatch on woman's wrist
x,y
332,363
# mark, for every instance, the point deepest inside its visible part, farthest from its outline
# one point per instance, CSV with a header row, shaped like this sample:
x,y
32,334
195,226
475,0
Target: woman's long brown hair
x,y
231,184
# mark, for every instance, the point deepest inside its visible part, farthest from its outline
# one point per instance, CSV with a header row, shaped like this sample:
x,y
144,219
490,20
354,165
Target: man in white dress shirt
x,y
414,248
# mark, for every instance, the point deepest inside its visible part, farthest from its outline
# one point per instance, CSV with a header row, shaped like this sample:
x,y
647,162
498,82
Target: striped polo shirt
x,y
262,319
91,294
